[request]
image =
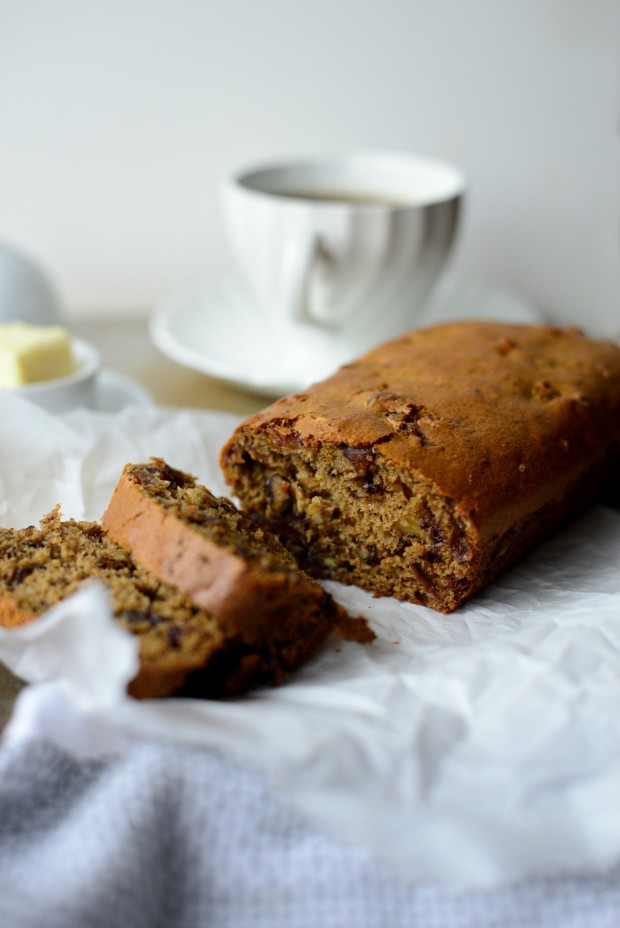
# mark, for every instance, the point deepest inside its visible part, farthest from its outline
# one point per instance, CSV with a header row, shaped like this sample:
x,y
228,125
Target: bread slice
x,y
199,543
183,648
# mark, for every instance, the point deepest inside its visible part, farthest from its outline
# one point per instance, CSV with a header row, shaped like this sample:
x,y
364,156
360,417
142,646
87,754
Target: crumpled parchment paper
x,y
469,749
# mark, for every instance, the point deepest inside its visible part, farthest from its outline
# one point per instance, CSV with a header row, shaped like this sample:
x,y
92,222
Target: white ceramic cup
x,y
350,246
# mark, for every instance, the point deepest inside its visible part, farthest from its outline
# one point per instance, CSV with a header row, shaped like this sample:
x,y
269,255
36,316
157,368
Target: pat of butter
x,y
31,353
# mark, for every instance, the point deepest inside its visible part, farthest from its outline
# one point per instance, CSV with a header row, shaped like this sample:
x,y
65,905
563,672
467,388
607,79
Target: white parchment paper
x,y
468,749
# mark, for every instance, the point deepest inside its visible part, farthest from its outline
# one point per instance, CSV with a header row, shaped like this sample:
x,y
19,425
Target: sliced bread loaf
x,y
177,529
182,647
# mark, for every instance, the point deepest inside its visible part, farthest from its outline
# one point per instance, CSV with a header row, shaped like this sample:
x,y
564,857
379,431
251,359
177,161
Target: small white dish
x,y
90,387
64,393
222,332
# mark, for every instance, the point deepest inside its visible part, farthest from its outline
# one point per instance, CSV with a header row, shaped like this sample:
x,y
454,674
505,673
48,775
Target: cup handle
x,y
305,282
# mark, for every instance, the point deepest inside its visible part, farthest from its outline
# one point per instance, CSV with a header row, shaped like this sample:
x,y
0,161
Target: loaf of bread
x,y
432,464
182,648
202,545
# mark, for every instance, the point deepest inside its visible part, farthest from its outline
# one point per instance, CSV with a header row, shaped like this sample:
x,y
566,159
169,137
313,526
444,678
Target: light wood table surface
x,y
126,347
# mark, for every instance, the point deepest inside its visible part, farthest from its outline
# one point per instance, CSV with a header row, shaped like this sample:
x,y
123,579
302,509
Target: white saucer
x,y
221,331
115,391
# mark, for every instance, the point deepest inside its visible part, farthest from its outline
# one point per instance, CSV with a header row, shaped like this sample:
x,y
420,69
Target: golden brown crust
x,y
10,614
495,424
489,413
169,548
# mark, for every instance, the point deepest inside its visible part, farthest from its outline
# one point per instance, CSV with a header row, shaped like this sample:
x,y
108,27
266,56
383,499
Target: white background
x,y
119,118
